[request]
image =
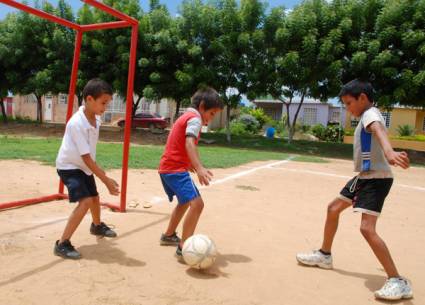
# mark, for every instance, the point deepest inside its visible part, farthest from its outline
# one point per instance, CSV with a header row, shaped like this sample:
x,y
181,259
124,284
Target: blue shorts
x,y
78,183
180,185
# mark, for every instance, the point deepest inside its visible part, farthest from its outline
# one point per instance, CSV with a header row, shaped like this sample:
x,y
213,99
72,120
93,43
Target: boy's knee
x,y
367,231
197,205
86,202
333,209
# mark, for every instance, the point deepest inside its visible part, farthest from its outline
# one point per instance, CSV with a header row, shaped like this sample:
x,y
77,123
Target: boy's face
x,y
356,106
208,115
98,105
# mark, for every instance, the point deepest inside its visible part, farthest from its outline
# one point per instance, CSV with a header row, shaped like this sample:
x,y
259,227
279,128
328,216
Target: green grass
x,y
305,148
109,155
419,138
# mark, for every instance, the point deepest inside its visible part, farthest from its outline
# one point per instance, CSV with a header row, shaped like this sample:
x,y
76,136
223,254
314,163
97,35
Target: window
x,y
30,98
387,118
335,117
107,118
354,122
63,98
310,116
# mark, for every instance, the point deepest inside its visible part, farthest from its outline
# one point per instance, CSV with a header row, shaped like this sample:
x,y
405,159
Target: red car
x,y
146,120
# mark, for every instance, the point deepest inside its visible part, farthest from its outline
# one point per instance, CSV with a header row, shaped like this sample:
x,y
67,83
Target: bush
x,y
405,130
250,122
238,129
328,134
258,114
349,132
305,128
318,131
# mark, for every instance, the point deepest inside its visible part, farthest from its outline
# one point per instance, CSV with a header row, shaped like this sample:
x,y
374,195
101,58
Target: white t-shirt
x,y
80,139
379,166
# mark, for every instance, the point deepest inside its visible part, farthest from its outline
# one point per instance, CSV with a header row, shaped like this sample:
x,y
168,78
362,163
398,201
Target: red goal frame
x,y
124,21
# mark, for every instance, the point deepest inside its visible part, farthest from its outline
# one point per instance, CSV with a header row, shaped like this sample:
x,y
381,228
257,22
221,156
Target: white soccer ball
x,y
199,251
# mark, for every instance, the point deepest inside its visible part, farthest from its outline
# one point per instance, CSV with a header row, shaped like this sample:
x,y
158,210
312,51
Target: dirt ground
x,y
260,215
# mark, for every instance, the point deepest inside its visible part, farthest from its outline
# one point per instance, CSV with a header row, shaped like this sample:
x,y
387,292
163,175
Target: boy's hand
x,y
398,159
204,176
112,186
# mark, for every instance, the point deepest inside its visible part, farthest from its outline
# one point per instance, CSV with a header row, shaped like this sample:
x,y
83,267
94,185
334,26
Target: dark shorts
x,y
367,195
180,185
78,183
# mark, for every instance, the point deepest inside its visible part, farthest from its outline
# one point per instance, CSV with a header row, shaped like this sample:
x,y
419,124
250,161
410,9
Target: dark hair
x,y
96,87
209,96
357,87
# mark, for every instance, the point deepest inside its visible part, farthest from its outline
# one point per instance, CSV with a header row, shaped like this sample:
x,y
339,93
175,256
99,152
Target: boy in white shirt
x,y
366,192
76,165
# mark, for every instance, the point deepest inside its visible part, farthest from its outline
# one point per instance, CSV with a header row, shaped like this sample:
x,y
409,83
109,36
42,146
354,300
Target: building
x,y
54,109
396,117
312,111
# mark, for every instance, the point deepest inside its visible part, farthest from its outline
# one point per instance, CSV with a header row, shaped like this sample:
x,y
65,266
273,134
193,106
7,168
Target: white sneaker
x,y
315,258
395,289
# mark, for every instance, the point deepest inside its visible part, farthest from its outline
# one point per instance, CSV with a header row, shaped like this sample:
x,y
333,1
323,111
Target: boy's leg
x,y
176,217
331,225
322,258
368,230
97,227
75,218
192,217
95,210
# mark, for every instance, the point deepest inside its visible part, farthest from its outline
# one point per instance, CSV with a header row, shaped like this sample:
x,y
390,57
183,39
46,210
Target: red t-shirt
x,y
175,158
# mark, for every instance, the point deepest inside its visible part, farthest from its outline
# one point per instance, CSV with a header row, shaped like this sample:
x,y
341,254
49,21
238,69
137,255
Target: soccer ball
x,y
199,251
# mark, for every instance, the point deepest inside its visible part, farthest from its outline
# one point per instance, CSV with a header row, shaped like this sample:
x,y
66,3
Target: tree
x,y
106,53
37,52
4,84
398,66
305,58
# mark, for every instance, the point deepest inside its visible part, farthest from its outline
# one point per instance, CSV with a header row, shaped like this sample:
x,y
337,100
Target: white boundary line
x,y
157,200
417,188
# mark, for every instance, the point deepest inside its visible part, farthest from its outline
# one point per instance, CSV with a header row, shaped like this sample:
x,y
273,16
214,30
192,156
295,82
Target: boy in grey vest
x,y
366,192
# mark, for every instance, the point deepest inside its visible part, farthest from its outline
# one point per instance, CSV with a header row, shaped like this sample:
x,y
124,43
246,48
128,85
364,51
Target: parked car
x,y
146,120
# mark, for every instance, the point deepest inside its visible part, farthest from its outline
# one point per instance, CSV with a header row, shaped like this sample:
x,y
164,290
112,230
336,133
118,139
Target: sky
x,y
171,4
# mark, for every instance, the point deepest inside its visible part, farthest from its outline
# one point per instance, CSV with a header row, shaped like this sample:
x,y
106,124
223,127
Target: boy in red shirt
x,y
181,156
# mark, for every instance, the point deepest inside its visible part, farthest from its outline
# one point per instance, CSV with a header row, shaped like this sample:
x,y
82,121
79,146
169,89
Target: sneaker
x,y
315,258
179,254
395,288
66,250
172,240
102,230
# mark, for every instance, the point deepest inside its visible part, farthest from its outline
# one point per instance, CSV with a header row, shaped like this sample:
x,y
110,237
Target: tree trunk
x,y
80,99
228,134
176,114
288,115
3,110
294,122
135,106
39,109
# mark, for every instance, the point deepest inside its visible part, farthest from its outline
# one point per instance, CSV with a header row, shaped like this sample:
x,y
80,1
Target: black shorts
x,y
367,195
79,184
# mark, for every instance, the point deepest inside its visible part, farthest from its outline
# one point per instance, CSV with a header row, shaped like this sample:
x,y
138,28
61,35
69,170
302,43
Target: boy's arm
x,y
394,158
111,184
204,175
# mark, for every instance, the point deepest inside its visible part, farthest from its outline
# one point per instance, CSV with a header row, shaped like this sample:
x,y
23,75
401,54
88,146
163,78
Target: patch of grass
x,y
109,155
311,159
307,148
419,138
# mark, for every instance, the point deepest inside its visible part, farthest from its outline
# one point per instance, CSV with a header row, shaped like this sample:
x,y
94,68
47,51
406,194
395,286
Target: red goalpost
x,y
123,21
